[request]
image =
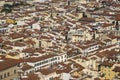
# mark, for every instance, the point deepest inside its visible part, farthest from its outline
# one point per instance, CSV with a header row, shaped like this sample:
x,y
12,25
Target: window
x,y
4,75
65,55
8,74
51,78
58,58
96,47
52,59
39,63
47,61
55,58
1,77
89,48
14,71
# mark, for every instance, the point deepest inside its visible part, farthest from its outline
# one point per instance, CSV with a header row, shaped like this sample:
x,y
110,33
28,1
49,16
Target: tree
x,y
7,8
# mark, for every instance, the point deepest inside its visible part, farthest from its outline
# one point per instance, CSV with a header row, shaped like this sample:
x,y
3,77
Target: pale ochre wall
x,y
114,41
37,42
2,3
77,74
86,36
78,16
76,38
11,72
13,57
10,21
109,74
17,39
83,1
45,43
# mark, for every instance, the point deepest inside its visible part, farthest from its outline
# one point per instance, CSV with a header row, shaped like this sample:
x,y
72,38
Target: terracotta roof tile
x,y
8,63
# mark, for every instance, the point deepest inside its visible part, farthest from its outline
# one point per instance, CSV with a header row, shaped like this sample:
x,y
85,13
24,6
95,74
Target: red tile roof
x,y
8,63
